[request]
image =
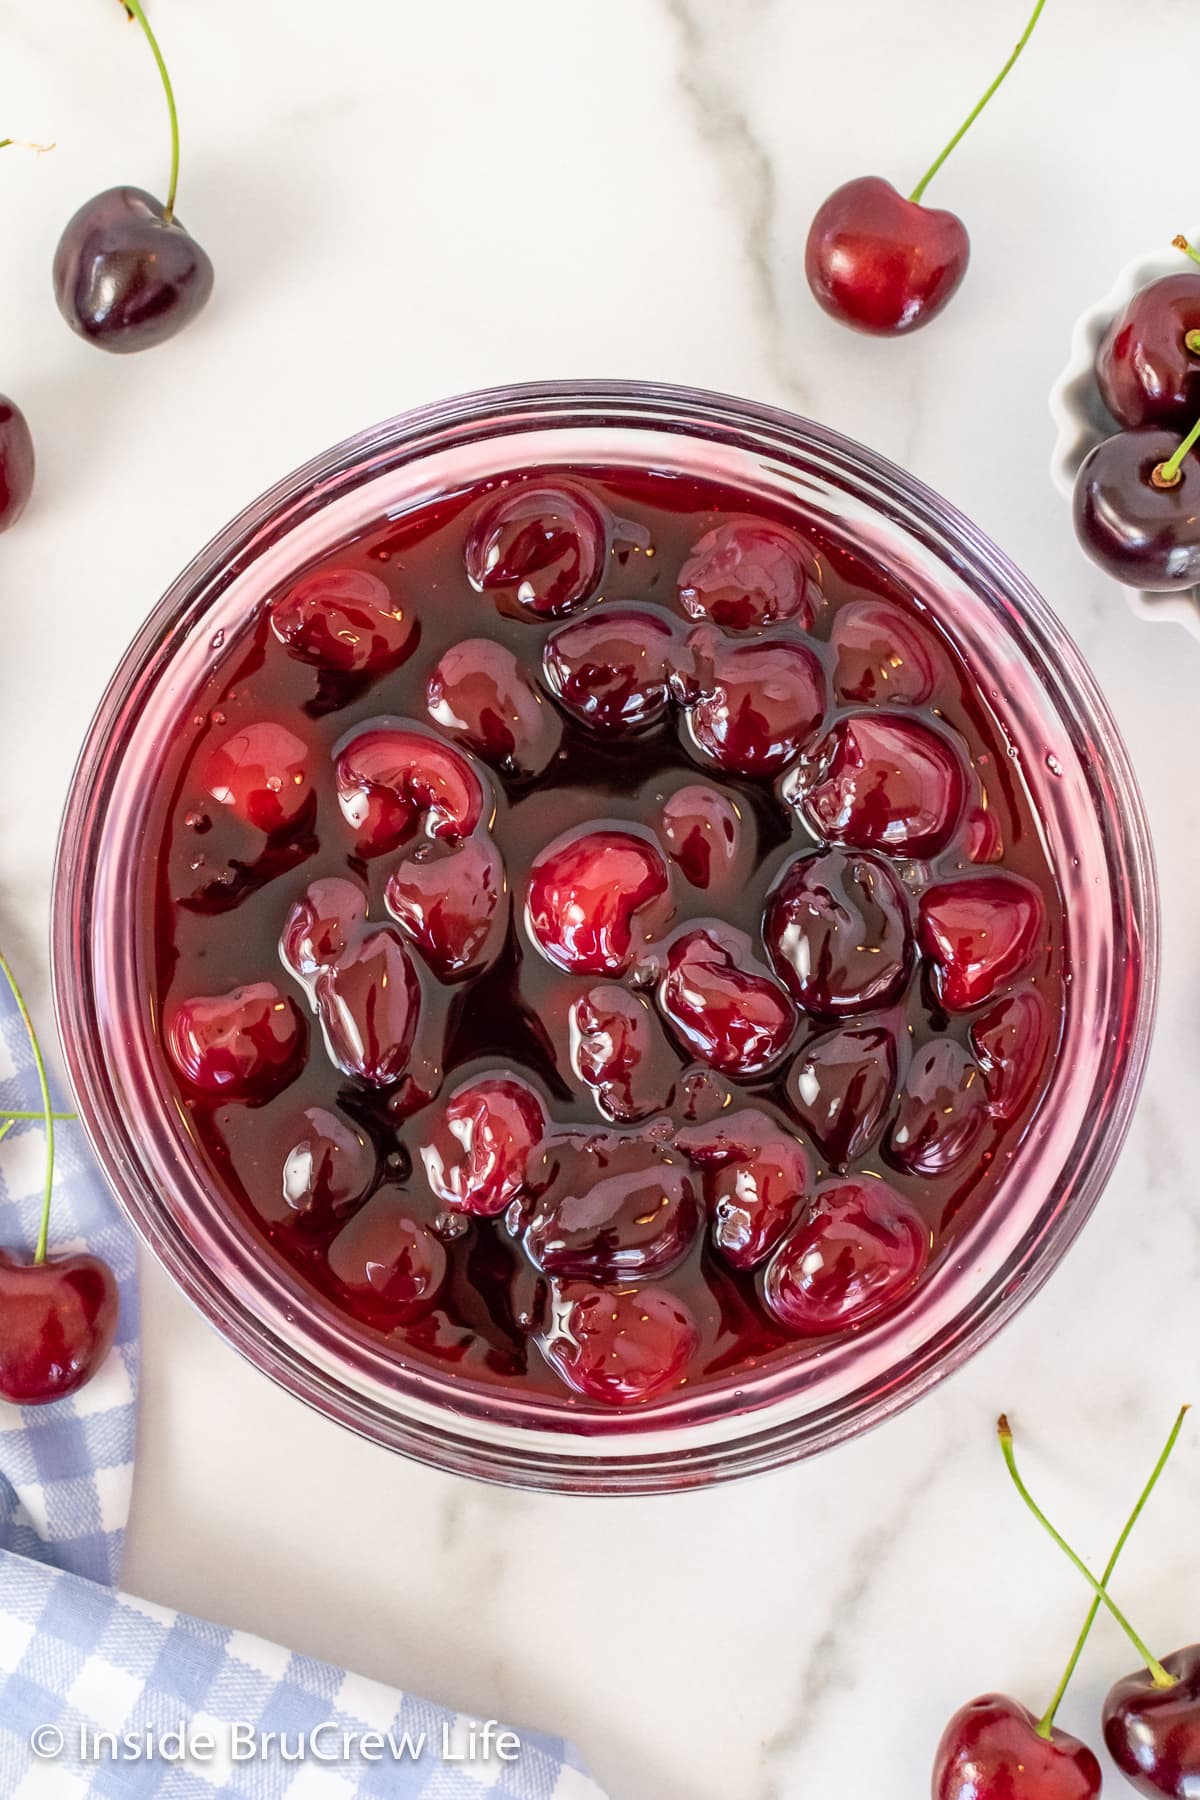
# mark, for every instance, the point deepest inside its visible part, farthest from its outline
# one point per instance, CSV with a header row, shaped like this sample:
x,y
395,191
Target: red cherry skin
x,y
590,898
327,1168
344,619
369,1001
756,1179
390,777
479,695
57,1323
125,276
702,830
328,917
979,933
992,1750
260,772
942,1112
1145,371
1010,1041
611,670
478,1159
617,1049
244,1045
884,781
1153,1733
17,463
837,931
539,550
722,1005
840,1088
752,707
883,657
391,1261
616,1207
983,836
881,263
620,1346
1142,535
747,573
453,904
860,1252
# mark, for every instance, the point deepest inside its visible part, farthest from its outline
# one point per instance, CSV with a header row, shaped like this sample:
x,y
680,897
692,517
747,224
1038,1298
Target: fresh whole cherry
x,y
992,1749
1137,509
17,463
1153,1731
1148,364
58,1318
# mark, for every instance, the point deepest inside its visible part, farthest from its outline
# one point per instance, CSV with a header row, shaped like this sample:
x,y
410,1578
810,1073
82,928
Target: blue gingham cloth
x,y
103,1694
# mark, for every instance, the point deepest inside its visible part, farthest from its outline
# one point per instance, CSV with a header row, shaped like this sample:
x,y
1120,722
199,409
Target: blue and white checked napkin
x,y
78,1659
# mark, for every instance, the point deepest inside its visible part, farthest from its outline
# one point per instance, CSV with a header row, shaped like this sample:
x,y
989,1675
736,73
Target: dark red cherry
x,y
881,263
453,903
345,619
756,1180
244,1045
721,1002
747,573
321,926
992,1750
479,695
859,1252
1147,370
1010,1042
1139,532
702,829
478,1158
983,835
979,933
1153,1733
369,1001
541,550
17,463
126,276
611,670
752,707
388,1259
390,777
618,1050
837,932
943,1110
620,1346
327,1167
594,898
841,1086
884,658
883,781
616,1207
58,1319
260,772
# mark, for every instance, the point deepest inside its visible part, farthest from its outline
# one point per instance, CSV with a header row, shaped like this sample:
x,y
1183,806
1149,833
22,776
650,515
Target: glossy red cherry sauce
x,y
602,941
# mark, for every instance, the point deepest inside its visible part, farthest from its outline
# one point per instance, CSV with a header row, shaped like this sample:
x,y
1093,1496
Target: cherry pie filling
x,y
599,938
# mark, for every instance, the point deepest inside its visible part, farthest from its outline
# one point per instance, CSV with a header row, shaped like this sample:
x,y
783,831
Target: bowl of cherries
x,y
605,936
1127,414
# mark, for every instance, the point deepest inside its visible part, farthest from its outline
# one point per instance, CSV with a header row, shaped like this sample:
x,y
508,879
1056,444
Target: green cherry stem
x,y
1162,1677
39,1255
12,1117
136,11
967,123
1181,243
1170,474
1046,1722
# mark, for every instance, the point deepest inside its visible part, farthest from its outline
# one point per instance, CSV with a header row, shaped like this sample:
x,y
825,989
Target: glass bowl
x,y
1075,767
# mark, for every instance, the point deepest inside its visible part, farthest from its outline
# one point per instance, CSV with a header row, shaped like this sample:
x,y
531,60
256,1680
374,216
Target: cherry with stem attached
x,y
994,1748
1152,1717
126,273
885,264
58,1314
1137,508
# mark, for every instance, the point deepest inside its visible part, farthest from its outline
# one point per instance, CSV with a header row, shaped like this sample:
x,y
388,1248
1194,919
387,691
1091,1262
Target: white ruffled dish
x,y
1082,420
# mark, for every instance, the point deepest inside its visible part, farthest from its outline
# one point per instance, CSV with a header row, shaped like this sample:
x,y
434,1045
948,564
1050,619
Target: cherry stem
x,y
24,144
963,129
1046,1723
1168,474
39,1255
12,1117
136,11
1181,243
1162,1677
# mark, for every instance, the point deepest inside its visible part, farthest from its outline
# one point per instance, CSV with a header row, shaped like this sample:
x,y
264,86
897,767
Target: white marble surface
x,y
404,201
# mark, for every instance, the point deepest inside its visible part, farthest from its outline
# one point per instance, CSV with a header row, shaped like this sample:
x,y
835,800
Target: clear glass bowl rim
x,y
618,1466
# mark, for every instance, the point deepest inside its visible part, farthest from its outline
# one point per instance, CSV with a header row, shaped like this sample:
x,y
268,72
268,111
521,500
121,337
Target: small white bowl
x,y
1081,419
